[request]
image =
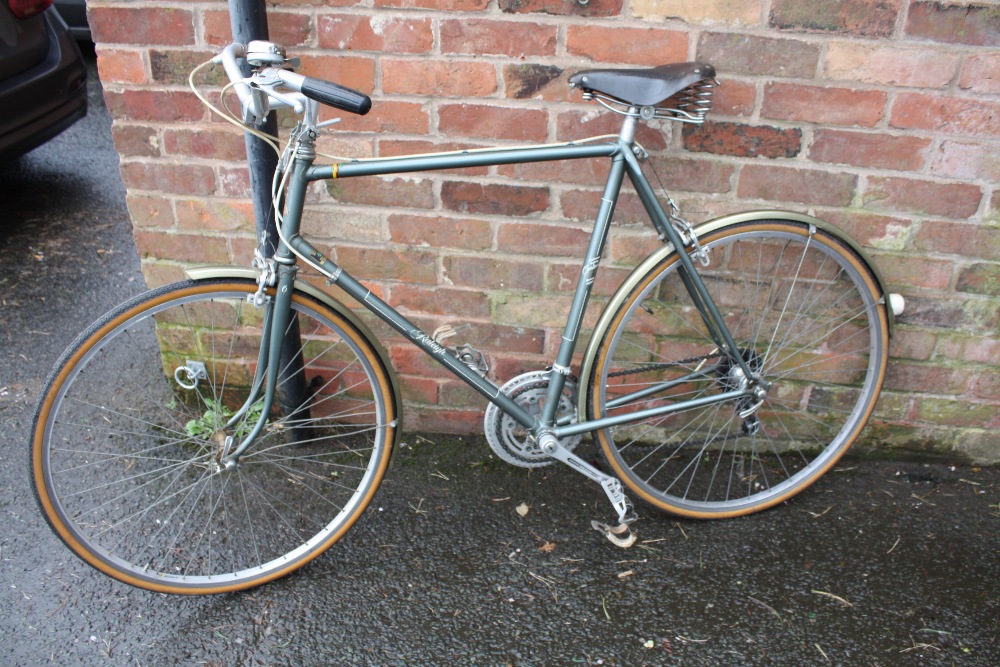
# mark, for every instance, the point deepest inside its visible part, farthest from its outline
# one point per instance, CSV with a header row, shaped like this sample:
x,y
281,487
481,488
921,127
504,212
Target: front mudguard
x,y
893,305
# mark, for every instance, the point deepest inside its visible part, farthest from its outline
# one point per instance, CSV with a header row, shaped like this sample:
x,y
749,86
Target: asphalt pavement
x,y
879,563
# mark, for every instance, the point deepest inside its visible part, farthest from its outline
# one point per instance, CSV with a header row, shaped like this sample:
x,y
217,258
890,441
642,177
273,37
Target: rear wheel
x,y
129,431
806,315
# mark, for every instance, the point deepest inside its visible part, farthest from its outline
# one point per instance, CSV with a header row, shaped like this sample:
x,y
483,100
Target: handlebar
x,y
257,92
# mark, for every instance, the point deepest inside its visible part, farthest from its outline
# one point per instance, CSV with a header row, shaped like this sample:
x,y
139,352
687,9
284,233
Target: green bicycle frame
x,y
623,161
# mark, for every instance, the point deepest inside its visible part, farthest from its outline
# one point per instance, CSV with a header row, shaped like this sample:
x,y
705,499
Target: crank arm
x,y
621,535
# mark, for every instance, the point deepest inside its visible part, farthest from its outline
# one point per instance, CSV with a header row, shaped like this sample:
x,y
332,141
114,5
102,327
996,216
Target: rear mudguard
x,y
217,272
712,225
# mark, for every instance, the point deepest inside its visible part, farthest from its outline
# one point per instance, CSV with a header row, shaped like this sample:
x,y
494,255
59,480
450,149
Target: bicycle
x,y
215,434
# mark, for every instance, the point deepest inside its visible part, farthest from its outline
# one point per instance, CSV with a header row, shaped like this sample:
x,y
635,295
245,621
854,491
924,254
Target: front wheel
x,y
132,426
808,320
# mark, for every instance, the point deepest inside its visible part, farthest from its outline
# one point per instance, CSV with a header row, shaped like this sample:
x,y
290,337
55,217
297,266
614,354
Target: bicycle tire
x,y
803,308
125,459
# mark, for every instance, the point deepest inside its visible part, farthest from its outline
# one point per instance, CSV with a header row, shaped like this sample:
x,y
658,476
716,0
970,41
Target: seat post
x,y
627,134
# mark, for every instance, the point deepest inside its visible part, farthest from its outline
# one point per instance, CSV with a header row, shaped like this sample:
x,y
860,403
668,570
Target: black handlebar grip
x,y
336,95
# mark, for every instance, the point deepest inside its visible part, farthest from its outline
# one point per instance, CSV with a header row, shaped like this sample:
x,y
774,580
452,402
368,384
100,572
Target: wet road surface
x,y
880,563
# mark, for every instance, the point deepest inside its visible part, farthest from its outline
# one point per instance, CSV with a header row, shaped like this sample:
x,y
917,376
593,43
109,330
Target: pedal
x,y
621,535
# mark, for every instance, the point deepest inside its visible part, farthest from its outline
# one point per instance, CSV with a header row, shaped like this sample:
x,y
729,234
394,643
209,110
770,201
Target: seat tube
x,y
584,287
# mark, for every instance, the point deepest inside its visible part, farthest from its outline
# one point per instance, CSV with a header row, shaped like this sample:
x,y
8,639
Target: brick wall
x,y
882,116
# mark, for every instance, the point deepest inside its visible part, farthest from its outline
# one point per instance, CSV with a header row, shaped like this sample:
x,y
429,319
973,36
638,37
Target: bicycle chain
x,y
666,364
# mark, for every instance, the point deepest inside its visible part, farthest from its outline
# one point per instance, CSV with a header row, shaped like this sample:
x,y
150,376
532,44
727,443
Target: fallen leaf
x,y
548,547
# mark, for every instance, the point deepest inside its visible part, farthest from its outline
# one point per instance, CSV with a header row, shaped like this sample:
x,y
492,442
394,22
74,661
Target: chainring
x,y
511,441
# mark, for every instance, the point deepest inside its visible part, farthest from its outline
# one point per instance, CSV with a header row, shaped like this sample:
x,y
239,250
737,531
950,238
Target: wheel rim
x,y
703,462
144,498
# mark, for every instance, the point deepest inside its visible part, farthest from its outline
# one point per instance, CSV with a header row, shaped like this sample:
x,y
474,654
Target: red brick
x,y
969,348
150,211
928,378
633,46
142,25
693,174
411,192
215,214
457,394
121,65
408,360
912,344
191,248
489,122
952,200
484,37
168,177
981,73
447,420
878,151
733,12
493,272
967,239
987,385
438,78
951,115
743,54
734,98
375,33
980,278
921,67
289,29
136,140
440,5
535,238
545,82
742,140
286,28
972,23
508,200
233,181
218,29
582,205
562,7
588,172
151,105
966,161
827,105
914,270
388,117
947,313
441,301
213,143
410,266
564,278
356,72
868,229
174,66
865,18
804,186
438,232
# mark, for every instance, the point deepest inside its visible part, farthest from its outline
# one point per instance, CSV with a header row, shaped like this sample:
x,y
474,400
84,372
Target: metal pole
x,y
248,19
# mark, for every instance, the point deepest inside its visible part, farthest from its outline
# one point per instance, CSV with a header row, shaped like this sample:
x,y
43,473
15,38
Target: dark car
x,y
43,79
74,13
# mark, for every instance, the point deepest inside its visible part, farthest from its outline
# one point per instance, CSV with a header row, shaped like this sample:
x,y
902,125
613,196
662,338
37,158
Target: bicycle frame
x,y
623,162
